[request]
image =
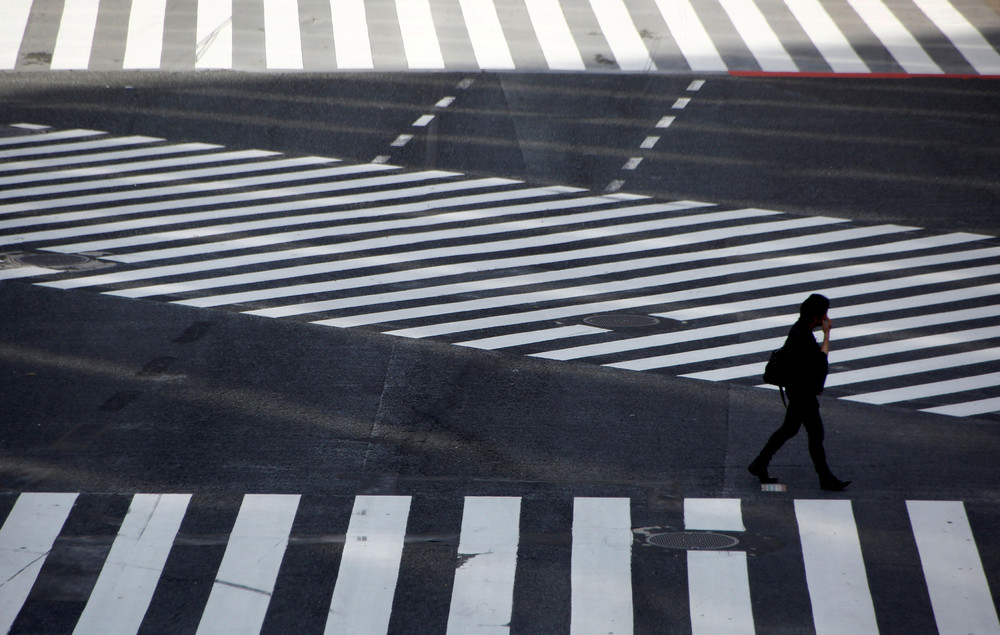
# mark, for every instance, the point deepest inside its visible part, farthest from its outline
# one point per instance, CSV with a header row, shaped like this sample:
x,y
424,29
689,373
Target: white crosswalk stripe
x,y
850,36
492,263
834,545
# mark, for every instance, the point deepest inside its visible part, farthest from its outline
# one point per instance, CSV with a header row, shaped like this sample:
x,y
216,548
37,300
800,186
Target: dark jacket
x,y
808,360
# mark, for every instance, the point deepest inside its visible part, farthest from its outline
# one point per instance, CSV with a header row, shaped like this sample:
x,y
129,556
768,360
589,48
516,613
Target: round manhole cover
x,y
692,540
620,320
52,261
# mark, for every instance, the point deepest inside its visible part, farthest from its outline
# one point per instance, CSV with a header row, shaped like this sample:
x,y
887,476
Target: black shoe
x,y
834,485
761,473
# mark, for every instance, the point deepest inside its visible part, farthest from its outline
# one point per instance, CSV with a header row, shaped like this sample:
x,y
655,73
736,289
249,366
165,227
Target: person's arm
x,y
827,325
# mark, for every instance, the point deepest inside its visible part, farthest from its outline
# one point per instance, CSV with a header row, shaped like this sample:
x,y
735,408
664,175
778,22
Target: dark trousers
x,y
803,410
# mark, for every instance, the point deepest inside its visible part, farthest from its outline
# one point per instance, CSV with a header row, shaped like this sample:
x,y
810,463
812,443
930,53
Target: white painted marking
x,y
648,142
693,40
486,34
483,595
30,126
968,409
401,140
913,367
681,103
351,42
369,567
24,272
13,22
420,41
665,122
382,159
713,514
46,137
894,36
282,42
214,33
129,576
245,580
76,35
25,541
954,573
444,102
615,185
82,159
423,120
619,30
144,43
826,36
757,34
963,35
930,389
835,568
696,85
719,591
532,337
558,46
632,163
601,567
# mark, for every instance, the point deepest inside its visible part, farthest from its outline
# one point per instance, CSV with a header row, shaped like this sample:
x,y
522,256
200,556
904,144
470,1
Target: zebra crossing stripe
x,y
14,16
554,36
101,157
25,541
601,566
214,34
960,594
245,580
931,389
622,36
894,36
967,409
369,567
835,568
758,36
690,35
352,46
144,42
76,35
912,367
47,137
486,34
483,596
420,41
531,337
970,42
828,39
282,41
78,146
129,576
718,581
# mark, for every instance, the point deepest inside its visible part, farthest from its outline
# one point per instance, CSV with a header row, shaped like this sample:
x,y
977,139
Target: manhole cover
x,y
692,540
620,320
51,261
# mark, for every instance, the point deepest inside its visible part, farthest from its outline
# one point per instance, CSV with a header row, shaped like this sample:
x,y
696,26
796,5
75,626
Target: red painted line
x,y
766,74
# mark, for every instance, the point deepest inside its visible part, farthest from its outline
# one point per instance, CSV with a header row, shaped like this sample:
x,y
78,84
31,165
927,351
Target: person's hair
x,y
814,307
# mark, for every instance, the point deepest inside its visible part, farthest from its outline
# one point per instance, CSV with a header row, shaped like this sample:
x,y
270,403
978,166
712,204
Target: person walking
x,y
808,363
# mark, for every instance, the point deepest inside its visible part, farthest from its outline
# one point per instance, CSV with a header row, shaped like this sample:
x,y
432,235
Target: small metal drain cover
x,y
51,261
692,540
620,320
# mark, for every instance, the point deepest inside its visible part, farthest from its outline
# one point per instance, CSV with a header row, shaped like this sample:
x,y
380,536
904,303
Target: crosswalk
x,y
675,36
621,280
236,563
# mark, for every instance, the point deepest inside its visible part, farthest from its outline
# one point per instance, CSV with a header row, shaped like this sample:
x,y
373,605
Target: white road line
x,y
26,538
46,137
835,568
76,35
554,36
24,272
75,147
486,34
758,36
191,188
826,36
601,566
100,157
245,580
894,36
351,42
930,389
673,277
916,366
483,594
144,43
963,35
132,181
531,337
619,30
968,409
14,16
718,582
693,40
420,41
369,567
282,41
954,573
129,576
214,34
